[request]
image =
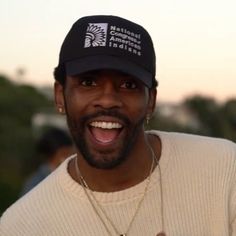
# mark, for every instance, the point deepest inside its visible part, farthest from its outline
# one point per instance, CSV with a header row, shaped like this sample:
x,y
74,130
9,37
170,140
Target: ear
x,y
152,101
59,97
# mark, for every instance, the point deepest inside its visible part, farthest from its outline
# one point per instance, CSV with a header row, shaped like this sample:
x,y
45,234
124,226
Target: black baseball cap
x,y
109,42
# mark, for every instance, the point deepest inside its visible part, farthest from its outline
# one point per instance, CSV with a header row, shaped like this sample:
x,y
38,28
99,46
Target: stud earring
x,y
148,119
60,110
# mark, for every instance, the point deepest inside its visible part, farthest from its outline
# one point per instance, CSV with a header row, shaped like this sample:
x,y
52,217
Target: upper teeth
x,y
106,125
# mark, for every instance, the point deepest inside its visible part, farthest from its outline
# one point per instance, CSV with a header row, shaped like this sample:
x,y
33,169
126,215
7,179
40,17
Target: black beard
x,y
77,129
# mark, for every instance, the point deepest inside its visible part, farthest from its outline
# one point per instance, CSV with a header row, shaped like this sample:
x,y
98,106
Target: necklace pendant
x,y
123,235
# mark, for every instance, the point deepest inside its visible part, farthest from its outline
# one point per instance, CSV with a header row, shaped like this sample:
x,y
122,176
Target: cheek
x,y
136,107
75,103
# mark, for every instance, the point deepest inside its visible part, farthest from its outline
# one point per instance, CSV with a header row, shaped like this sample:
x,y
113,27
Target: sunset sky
x,y
195,41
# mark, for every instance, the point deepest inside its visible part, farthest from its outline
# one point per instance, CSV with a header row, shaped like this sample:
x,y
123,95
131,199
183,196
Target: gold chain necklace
x,y
93,200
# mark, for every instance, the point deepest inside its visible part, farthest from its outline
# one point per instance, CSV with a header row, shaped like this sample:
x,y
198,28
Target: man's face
x,y
105,113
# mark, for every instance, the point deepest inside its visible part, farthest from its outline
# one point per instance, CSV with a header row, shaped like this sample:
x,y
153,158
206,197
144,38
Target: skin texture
x,y
115,98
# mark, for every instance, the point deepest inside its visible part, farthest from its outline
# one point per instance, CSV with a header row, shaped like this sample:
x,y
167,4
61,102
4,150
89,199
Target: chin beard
x,y
105,160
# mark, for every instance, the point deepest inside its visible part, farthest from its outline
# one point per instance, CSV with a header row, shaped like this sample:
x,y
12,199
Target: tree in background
x,y
228,113
18,103
207,111
214,119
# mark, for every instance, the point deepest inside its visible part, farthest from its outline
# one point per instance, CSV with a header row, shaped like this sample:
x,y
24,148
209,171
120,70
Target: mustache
x,y
111,113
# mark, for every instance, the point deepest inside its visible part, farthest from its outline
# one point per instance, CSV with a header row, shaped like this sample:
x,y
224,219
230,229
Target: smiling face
x,y
105,113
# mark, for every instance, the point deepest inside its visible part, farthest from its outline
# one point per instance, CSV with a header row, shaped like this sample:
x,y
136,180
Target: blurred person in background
x,y
54,146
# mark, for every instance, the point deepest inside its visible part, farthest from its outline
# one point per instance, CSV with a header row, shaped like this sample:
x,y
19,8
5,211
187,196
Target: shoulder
x,y
204,144
211,154
28,210
31,211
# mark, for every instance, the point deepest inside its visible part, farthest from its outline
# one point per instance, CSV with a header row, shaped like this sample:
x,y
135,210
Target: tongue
x,y
104,135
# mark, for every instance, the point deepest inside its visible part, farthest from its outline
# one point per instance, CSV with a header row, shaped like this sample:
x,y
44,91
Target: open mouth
x,y
105,132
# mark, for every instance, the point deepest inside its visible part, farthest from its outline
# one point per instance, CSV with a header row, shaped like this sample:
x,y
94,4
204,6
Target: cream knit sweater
x,y
199,188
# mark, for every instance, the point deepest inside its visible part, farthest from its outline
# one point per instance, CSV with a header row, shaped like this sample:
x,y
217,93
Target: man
x,y
122,180
54,146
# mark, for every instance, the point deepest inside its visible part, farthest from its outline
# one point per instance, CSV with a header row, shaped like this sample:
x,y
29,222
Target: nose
x,y
108,97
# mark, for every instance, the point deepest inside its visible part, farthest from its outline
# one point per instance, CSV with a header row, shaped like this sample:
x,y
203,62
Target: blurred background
x,y
196,57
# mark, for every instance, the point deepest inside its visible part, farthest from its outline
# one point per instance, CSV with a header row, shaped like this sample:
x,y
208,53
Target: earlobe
x,y
59,97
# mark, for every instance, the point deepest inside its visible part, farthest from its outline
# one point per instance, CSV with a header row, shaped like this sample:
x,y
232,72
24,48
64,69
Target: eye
x,y
88,81
129,84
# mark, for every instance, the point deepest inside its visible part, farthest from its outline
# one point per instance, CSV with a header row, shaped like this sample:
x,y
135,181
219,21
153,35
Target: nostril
x,y
108,101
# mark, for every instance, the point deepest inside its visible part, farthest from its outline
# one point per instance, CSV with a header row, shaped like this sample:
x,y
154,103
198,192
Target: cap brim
x,y
99,62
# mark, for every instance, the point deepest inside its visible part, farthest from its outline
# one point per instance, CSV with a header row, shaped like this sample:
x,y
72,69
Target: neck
x,y
131,172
